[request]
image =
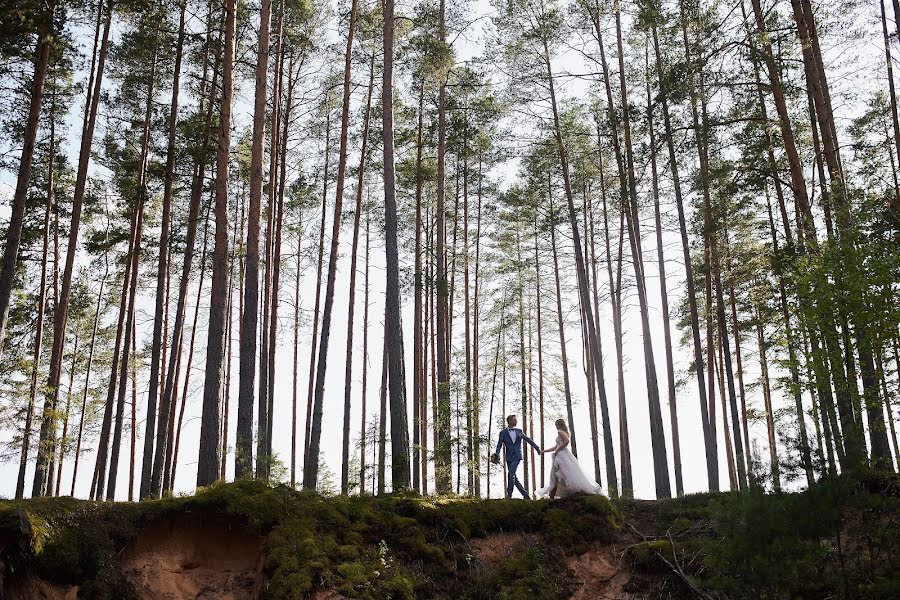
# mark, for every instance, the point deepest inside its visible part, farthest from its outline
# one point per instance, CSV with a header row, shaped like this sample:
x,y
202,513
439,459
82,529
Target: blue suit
x,y
513,458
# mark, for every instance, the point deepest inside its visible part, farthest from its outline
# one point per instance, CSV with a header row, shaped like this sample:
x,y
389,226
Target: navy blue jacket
x,y
514,449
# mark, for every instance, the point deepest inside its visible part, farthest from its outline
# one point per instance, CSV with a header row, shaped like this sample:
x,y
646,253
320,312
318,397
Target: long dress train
x,y
567,476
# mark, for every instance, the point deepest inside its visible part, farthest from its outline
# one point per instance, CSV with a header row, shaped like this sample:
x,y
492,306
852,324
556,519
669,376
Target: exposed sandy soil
x,y
495,548
603,575
36,589
182,560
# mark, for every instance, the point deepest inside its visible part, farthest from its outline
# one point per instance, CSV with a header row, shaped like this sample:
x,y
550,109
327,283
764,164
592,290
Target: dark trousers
x,y
512,480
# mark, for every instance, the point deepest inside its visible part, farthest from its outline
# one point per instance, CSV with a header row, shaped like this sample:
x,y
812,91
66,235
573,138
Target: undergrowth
x,y
839,539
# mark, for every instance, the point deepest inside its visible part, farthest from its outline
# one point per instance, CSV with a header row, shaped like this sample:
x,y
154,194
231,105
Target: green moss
x,y
406,546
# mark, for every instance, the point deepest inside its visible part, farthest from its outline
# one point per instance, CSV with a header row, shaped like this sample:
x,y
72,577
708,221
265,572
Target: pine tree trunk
x,y
540,353
382,418
357,216
60,316
311,467
709,437
583,288
134,257
419,467
729,452
476,312
567,389
174,429
615,298
162,266
167,401
365,369
315,331
657,433
63,442
210,444
442,450
400,478
664,298
250,318
767,400
272,268
87,379
467,316
20,196
295,363
39,321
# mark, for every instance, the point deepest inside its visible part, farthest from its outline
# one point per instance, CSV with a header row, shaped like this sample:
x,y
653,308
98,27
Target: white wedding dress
x,y
567,476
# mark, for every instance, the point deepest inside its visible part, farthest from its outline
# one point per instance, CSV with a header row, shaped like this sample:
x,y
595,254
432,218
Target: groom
x,y
511,439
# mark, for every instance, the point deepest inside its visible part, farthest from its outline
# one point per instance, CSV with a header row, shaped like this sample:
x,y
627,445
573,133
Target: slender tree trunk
x,y
87,378
311,467
315,331
39,320
295,363
664,298
399,431
895,121
615,297
739,364
134,257
272,268
63,442
174,431
476,311
567,389
365,369
60,316
729,452
167,401
467,316
657,433
418,368
162,266
767,400
583,288
709,437
348,370
382,418
540,353
442,450
20,196
250,319
210,444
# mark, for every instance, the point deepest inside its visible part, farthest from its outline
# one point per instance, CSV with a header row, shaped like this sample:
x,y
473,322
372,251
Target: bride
x,y
566,476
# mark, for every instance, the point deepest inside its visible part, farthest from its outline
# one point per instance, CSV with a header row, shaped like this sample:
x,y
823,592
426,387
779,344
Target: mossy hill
x,y
838,540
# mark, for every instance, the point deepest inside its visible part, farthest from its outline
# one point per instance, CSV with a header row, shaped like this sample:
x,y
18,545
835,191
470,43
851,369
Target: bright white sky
x,y
691,437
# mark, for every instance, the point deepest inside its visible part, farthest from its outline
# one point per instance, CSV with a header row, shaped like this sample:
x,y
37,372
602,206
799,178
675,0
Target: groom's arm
x,y
499,443
530,441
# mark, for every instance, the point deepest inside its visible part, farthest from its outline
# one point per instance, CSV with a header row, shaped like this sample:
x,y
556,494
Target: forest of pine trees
x,y
335,244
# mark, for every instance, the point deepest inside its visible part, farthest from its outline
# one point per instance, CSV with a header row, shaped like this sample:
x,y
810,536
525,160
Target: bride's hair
x,y
561,425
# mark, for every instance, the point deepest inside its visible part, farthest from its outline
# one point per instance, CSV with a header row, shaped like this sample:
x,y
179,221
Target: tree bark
x,y
664,298
399,431
311,467
250,318
162,266
709,438
39,321
20,195
357,216
210,444
48,423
